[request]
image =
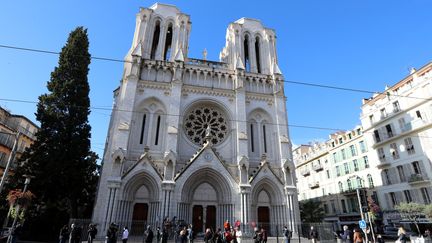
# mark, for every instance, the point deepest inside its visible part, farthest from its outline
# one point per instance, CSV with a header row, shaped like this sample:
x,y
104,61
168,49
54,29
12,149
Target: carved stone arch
x,y
213,178
267,184
142,178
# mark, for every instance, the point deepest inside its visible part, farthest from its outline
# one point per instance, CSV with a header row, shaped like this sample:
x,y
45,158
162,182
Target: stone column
x,y
245,191
167,195
110,216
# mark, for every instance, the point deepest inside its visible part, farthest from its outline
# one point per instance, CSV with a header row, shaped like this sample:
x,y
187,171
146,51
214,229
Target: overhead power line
x,y
285,81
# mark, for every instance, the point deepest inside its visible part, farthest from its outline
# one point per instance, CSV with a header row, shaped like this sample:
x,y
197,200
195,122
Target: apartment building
x,y
397,127
331,171
10,124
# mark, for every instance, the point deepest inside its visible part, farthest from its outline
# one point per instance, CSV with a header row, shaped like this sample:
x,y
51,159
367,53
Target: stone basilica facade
x,y
200,140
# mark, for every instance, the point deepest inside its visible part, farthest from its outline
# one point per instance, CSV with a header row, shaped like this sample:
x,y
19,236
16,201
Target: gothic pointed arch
x,y
260,129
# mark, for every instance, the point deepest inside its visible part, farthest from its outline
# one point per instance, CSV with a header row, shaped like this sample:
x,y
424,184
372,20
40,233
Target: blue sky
x,y
358,44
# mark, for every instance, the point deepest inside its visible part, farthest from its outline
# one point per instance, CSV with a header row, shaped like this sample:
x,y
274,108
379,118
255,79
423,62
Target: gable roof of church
x,y
206,145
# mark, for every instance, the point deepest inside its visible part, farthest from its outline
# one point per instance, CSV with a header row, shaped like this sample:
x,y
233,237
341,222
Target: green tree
x,y
311,211
64,168
411,211
428,211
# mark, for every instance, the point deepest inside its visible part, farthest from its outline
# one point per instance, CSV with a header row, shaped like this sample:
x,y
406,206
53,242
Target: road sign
x,y
362,224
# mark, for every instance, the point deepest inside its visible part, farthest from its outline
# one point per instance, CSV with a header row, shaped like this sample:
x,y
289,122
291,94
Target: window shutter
x,y
388,200
400,197
416,197
394,177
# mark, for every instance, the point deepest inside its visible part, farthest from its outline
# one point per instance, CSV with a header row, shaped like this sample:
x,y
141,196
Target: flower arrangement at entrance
x,y
18,199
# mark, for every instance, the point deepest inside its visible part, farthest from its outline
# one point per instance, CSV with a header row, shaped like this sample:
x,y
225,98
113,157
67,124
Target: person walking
x,y
164,237
313,235
125,234
257,236
190,234
149,235
158,235
208,236
75,234
402,237
111,235
263,235
358,238
346,235
64,234
91,233
238,234
287,234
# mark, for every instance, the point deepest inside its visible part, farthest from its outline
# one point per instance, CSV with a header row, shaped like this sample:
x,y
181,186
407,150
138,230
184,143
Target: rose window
x,y
198,120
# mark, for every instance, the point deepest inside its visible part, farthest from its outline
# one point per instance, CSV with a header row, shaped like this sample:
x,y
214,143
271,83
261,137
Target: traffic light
x,y
363,200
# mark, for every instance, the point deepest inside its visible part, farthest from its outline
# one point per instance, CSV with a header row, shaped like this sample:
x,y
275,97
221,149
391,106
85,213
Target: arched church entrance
x,y
204,207
263,210
206,200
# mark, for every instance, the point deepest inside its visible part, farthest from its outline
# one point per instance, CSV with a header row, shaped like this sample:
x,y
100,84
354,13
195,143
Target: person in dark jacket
x,y
75,234
347,235
149,235
64,234
164,238
92,232
208,236
217,236
112,233
257,236
313,235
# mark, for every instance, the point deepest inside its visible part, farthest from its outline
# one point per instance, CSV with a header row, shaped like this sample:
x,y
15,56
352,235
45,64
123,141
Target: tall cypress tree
x,y
60,160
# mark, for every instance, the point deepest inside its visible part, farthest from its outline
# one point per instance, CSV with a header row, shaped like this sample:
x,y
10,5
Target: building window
x,y
340,186
358,131
389,130
349,136
387,177
393,198
143,128
381,154
377,136
408,197
252,138
346,167
362,147
257,54
401,173
396,107
355,163
366,161
349,184
353,150
344,209
402,124
425,195
359,182
371,119
168,42
416,167
337,171
246,53
157,130
418,114
328,174
155,42
332,202
333,144
394,151
325,208
343,154
370,180
409,146
265,139
335,157
383,113
340,140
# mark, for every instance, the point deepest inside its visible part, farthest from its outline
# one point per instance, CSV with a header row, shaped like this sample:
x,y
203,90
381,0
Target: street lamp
x,y
26,183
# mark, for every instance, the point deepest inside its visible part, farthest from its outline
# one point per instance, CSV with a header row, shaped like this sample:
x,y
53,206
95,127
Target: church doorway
x,y
197,218
211,218
139,218
264,218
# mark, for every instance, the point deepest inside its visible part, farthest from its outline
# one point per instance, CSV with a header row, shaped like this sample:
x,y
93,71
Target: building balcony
x,y
314,185
383,162
415,179
317,167
7,140
305,173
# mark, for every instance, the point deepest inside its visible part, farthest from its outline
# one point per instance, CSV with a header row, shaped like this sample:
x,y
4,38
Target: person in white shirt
x,y
238,234
125,235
